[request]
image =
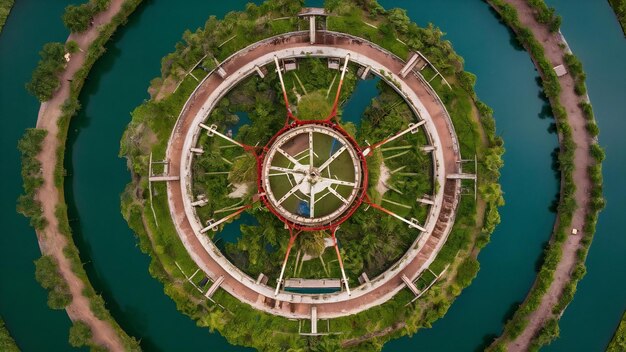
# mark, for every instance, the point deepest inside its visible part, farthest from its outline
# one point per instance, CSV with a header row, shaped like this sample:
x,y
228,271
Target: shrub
x,y
80,334
597,152
29,147
7,344
593,129
548,333
48,275
587,110
5,9
71,47
467,271
618,343
45,81
77,18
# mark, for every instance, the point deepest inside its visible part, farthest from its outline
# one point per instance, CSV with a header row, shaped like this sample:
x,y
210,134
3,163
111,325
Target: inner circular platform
x,y
312,175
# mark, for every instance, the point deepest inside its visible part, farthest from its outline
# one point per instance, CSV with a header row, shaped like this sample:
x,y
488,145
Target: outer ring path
x,y
426,105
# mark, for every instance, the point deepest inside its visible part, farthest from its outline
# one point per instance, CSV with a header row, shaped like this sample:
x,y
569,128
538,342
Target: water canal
x,y
118,82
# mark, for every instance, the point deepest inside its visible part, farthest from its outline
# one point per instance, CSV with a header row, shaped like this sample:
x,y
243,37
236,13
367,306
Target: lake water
x,y
118,82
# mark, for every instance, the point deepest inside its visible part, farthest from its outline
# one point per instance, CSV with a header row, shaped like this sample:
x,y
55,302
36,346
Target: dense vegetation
x,y
618,343
45,79
77,18
7,344
48,275
546,15
5,10
567,204
29,146
153,121
80,334
619,7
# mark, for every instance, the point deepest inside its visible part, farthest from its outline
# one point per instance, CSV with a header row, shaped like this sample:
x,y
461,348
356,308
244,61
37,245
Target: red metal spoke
x,y
333,112
412,223
292,239
343,272
282,86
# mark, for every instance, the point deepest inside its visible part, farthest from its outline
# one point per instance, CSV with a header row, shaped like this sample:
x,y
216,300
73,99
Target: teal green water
x,y
506,81
363,94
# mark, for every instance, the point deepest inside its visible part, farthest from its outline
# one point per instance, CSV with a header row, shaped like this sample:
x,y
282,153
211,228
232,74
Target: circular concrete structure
x,y
430,236
312,175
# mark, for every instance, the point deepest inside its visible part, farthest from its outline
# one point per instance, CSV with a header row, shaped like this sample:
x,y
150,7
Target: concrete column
x,y
314,320
312,29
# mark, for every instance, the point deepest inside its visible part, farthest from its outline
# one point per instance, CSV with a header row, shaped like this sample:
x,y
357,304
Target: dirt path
x,y
569,99
51,241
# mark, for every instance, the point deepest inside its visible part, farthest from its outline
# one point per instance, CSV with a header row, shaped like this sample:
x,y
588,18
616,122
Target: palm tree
x,y
312,243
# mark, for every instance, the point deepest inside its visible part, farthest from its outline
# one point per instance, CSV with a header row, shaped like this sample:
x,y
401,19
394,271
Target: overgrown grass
x,y
546,15
49,277
7,344
5,10
618,342
619,7
29,146
78,18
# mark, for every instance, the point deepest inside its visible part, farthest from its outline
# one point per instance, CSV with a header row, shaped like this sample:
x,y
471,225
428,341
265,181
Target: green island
x,y
223,177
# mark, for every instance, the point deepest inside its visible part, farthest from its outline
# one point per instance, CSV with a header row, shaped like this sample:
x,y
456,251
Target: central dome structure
x,y
313,175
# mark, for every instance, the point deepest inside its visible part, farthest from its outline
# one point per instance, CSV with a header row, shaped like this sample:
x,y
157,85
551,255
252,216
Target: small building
x,y
560,70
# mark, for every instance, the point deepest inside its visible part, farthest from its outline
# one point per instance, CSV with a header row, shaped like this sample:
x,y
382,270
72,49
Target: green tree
x,y
48,276
243,169
312,243
7,344
72,47
45,81
77,18
80,334
399,20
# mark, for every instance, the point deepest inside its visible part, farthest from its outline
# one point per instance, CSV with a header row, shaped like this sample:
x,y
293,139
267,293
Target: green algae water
x,y
506,81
